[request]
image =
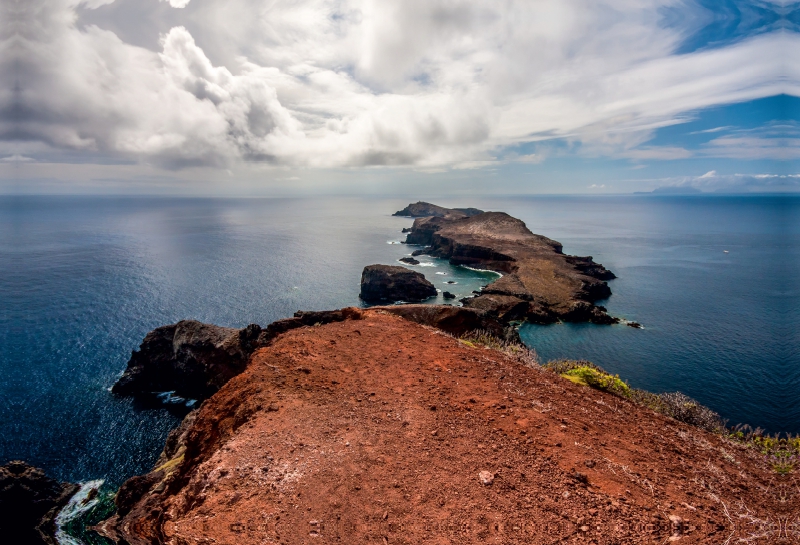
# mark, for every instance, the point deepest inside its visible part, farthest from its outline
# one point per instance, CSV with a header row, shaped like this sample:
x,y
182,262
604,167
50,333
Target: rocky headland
x,y
381,428
540,283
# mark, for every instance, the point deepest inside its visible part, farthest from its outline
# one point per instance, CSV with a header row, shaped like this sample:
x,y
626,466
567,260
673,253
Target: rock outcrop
x,y
191,358
29,503
457,321
385,430
424,209
389,283
540,283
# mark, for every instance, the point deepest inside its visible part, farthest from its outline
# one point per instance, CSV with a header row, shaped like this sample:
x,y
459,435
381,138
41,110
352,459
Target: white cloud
x,y
733,147
325,83
713,182
17,158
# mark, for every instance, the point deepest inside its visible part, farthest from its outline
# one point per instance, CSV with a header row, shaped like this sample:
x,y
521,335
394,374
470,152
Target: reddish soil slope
x,y
379,430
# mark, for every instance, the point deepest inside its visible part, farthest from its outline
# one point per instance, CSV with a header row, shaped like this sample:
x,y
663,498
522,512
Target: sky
x,y
286,97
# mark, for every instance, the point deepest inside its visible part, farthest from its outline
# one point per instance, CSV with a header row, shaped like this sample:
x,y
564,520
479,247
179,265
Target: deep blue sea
x,y
83,279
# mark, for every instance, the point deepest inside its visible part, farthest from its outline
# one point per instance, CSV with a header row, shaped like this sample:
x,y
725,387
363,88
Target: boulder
x,y
448,295
409,260
388,283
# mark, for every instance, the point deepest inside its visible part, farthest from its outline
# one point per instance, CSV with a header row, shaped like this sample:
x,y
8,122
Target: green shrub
x,y
588,374
599,380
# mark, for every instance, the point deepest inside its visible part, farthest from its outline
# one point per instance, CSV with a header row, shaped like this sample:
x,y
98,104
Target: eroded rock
x,y
190,358
388,283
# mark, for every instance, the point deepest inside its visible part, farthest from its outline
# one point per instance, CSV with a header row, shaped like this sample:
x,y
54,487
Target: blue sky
x,y
249,97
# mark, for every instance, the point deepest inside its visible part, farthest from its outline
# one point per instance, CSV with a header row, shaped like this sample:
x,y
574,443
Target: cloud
x,y
778,141
352,83
712,182
732,147
17,158
715,129
177,3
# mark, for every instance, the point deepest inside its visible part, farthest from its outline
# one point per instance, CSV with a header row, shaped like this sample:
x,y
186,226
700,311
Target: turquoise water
x,y
83,279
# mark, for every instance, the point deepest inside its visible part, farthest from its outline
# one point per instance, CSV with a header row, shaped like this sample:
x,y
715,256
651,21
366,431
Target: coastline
x,y
492,271
311,377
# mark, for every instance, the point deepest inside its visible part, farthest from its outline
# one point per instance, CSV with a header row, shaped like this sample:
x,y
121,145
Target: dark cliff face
x,y
29,503
423,230
191,358
388,283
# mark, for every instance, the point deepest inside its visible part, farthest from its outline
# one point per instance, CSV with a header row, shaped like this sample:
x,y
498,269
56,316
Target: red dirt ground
x,y
380,430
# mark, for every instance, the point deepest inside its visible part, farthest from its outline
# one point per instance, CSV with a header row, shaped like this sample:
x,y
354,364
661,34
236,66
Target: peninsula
x,y
540,283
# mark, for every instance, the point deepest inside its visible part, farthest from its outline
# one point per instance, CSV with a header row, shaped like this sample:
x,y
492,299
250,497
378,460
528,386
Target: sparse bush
x,y
518,351
675,405
685,409
783,453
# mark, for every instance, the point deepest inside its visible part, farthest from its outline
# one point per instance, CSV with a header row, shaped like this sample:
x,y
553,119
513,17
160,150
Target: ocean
x,y
713,279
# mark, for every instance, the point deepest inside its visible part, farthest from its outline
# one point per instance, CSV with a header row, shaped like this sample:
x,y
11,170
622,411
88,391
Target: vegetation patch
x,y
589,374
783,453
483,339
